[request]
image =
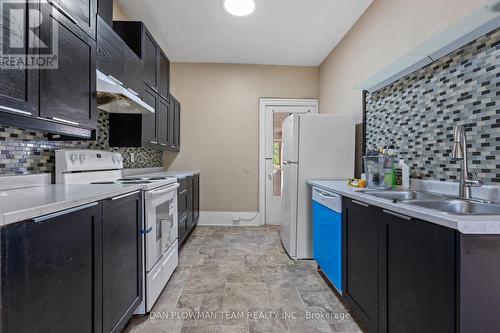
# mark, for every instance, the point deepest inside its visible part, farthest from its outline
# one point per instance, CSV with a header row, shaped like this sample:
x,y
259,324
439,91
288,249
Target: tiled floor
x,y
239,279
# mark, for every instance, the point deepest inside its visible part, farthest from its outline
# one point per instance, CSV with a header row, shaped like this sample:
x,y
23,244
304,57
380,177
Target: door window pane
x,y
278,118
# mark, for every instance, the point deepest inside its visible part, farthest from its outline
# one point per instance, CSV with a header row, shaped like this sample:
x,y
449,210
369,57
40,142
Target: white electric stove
x,y
159,194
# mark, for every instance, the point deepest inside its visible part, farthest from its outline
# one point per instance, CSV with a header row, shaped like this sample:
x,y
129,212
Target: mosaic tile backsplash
x,y
29,152
417,113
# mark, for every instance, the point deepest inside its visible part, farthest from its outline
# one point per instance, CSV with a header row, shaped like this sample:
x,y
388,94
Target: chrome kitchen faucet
x,y
460,153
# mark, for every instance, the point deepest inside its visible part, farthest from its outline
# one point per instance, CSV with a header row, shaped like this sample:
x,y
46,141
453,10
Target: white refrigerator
x,y
317,147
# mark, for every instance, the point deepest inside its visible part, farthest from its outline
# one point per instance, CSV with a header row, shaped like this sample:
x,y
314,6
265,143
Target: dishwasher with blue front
x,y
327,234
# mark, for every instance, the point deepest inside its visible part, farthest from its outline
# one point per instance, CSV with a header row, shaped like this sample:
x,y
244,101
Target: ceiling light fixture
x,y
239,7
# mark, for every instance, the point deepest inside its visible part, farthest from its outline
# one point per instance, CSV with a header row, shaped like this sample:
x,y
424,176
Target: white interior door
x,y
274,117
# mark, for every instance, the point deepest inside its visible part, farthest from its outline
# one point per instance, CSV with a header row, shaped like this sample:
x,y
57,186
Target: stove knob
x,y
83,158
114,158
74,158
120,159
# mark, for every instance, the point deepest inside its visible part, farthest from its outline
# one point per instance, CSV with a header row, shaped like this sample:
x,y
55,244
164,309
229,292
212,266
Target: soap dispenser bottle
x,y
405,174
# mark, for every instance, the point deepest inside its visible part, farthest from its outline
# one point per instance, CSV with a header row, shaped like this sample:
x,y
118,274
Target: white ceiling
x,y
279,32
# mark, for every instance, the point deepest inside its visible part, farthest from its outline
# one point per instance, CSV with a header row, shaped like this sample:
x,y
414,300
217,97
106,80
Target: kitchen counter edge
x,y
464,224
73,200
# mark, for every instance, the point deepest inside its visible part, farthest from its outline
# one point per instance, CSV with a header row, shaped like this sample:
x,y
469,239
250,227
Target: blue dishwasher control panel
x,y
327,234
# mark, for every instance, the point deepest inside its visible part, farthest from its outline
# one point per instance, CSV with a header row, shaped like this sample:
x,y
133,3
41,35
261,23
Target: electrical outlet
x,y
132,157
236,221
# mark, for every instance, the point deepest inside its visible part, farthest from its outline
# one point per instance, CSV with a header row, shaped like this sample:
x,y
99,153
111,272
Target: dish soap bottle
x,y
405,174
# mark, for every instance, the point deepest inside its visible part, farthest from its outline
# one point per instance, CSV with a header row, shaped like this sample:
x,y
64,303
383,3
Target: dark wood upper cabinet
x,y
51,266
68,93
80,13
417,275
137,130
150,121
115,58
105,11
162,128
150,61
164,75
18,87
131,33
361,261
60,101
163,122
177,125
121,260
110,51
133,72
171,124
175,140
155,63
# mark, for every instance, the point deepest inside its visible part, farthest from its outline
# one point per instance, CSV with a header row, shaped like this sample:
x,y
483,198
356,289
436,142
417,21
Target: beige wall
x,y
387,31
220,125
119,13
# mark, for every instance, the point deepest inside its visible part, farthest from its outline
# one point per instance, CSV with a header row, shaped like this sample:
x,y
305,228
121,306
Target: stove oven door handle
x,y
163,191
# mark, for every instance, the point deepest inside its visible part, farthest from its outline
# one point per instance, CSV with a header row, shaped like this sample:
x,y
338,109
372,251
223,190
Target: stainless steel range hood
x,y
114,98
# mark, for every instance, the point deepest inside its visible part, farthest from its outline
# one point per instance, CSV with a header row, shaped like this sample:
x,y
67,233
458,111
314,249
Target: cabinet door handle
x,y
124,195
154,142
401,216
65,121
6,108
146,231
360,203
63,11
64,212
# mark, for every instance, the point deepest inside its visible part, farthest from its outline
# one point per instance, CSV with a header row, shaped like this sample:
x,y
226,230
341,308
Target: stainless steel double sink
x,y
453,206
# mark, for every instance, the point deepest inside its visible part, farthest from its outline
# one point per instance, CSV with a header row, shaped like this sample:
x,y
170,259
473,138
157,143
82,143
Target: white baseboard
x,y
226,218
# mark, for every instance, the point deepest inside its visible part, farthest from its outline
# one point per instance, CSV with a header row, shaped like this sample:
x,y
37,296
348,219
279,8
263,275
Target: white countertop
x,y
464,224
28,202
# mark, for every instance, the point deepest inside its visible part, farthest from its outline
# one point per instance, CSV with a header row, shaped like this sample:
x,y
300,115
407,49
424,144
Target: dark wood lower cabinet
x,y
400,273
73,271
196,198
188,205
122,260
417,275
51,265
182,230
361,261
